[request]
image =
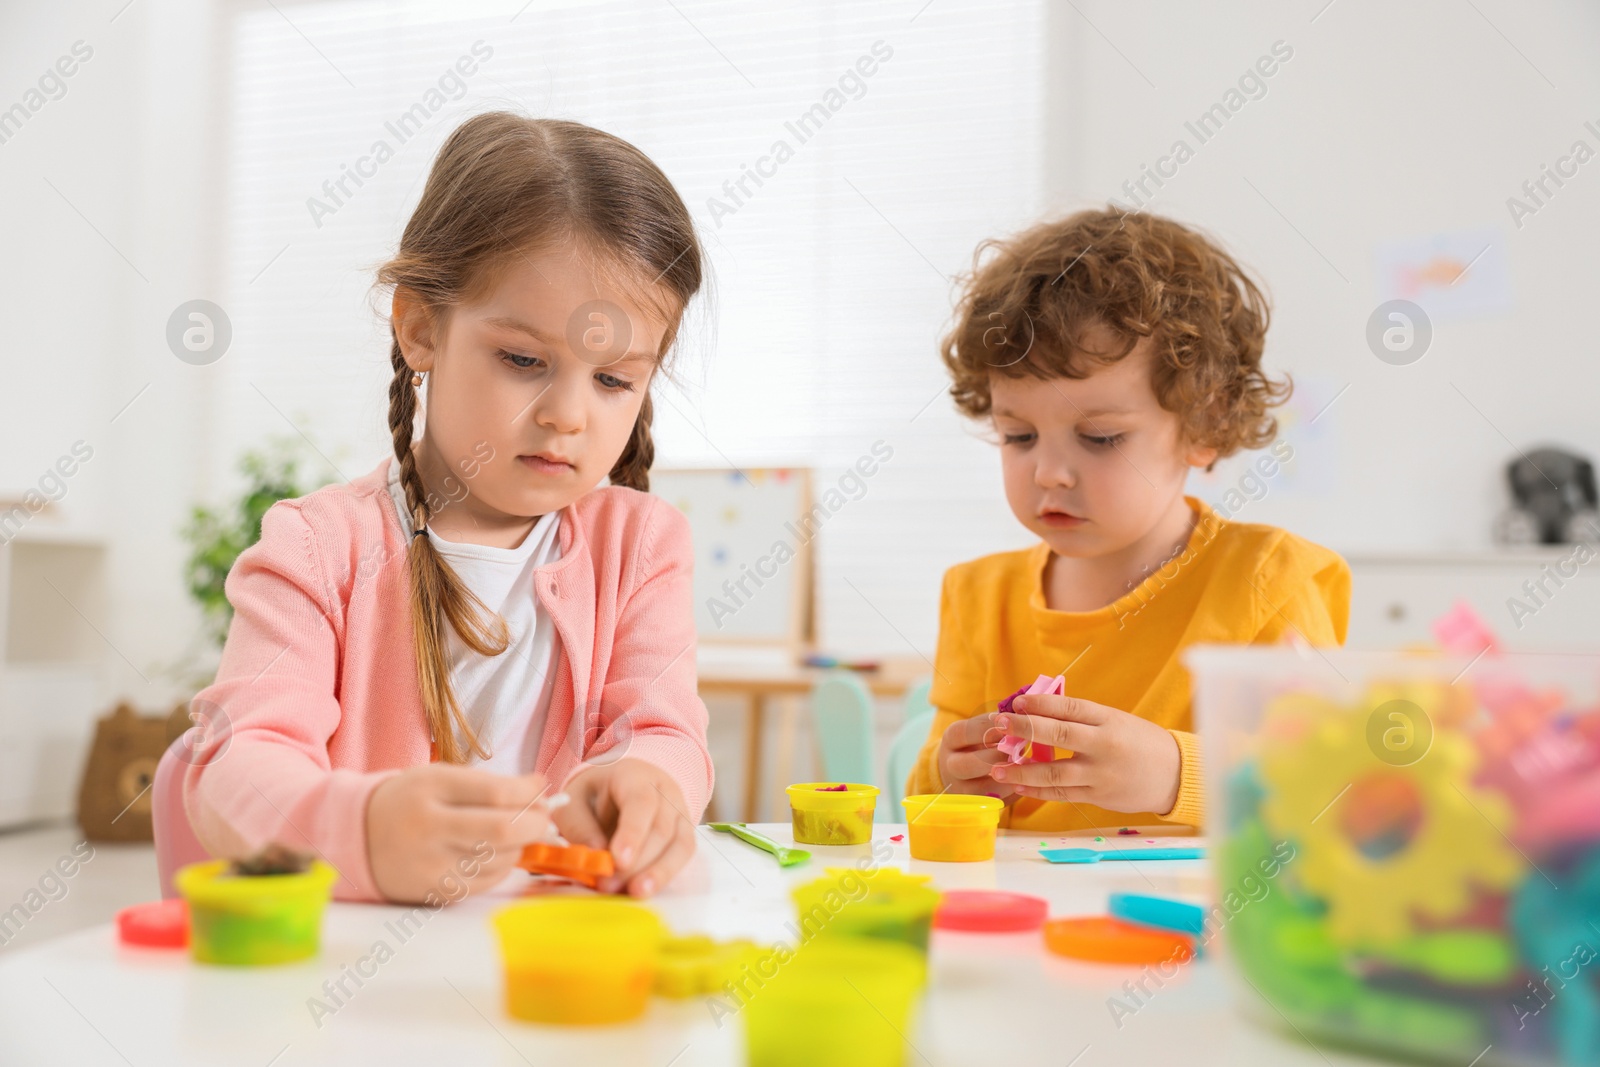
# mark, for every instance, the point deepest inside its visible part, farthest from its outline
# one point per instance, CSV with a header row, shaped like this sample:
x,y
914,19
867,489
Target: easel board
x,y
752,551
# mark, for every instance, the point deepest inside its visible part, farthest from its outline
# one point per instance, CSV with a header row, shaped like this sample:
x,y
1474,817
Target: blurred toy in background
x,y
1442,815
1553,500
114,793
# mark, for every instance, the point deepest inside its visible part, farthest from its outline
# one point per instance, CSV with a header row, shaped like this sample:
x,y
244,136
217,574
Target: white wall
x,y
1390,121
90,276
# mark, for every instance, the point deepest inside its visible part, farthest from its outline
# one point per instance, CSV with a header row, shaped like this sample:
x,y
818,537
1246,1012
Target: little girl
x,y
422,661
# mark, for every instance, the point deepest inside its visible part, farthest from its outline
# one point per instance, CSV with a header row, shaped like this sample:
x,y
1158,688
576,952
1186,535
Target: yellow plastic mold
x,y
698,965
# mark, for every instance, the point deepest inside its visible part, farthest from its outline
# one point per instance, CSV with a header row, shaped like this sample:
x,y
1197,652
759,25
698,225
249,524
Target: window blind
x,y
912,131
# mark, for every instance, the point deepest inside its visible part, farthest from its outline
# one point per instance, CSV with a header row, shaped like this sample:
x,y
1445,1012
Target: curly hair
x,y
1030,298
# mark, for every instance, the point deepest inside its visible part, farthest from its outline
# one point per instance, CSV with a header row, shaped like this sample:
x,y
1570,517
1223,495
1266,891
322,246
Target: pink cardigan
x,y
318,681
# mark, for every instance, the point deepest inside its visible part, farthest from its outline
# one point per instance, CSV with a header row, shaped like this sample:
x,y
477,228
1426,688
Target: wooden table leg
x,y
756,706
783,764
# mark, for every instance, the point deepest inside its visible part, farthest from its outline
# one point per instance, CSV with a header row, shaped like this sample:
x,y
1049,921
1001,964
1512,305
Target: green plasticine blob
x,y
1456,957
1283,949
1417,1025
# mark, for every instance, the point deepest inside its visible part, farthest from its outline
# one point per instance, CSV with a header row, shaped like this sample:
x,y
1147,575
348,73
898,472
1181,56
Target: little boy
x,y
1110,353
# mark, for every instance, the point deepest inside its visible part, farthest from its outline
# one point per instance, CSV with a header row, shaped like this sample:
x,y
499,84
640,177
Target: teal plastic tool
x,y
787,857
1095,855
1162,912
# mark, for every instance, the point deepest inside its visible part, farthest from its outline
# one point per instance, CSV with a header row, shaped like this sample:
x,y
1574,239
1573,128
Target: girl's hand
x,y
967,755
1120,762
635,809
443,830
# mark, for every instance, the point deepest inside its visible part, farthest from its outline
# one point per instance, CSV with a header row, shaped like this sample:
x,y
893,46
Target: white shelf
x,y
1488,557
47,716
51,585
1396,597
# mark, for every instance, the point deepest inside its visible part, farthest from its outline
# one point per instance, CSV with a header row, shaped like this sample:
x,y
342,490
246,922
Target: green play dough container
x,y
254,920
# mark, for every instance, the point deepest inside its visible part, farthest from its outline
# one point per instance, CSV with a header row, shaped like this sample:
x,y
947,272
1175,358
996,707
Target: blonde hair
x,y
502,185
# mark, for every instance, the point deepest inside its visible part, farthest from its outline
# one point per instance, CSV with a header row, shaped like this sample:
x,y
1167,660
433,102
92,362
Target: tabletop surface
x,y
436,997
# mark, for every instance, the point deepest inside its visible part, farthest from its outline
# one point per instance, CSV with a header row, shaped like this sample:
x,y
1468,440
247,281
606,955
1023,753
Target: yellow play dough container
x,y
838,1001
952,827
824,816
253,920
578,960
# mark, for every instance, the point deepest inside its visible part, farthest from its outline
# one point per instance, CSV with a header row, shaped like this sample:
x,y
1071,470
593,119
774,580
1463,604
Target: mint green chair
x,y
902,757
917,704
908,741
841,717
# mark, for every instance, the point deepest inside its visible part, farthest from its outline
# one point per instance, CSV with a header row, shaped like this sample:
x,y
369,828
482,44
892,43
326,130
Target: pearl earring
x,y
416,378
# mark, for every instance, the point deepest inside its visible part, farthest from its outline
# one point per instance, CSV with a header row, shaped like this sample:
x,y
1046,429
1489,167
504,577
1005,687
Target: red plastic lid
x,y
990,911
157,924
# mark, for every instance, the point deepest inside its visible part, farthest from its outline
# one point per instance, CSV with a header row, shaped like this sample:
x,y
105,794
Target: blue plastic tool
x,y
1161,912
1095,855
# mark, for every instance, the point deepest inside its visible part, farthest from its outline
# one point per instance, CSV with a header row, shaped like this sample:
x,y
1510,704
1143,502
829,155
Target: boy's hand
x,y
635,809
967,755
1120,762
434,827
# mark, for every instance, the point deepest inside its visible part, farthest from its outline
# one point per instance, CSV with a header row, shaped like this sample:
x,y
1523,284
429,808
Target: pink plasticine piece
x,y
1461,631
840,788
898,838
1570,813
1013,745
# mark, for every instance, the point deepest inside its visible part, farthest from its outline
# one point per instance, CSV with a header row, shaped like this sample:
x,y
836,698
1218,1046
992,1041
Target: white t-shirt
x,y
506,698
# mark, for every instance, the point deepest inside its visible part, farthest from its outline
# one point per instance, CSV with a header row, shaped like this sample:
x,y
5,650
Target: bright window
x,y
832,276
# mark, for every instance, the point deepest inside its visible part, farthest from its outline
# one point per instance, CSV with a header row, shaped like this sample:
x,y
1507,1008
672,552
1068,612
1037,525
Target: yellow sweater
x,y
1237,583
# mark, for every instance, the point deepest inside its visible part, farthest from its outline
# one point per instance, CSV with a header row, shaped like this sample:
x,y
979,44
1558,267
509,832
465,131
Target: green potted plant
x,y
216,536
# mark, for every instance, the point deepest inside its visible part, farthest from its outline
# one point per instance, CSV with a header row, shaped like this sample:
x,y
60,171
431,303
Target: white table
x,y
84,1000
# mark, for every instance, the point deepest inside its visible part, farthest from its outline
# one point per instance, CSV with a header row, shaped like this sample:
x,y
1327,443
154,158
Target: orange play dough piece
x,y
577,862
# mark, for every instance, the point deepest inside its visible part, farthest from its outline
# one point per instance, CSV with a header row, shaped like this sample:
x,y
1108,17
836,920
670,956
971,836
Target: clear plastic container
x,y
843,1001
823,813
254,920
1407,846
952,827
578,960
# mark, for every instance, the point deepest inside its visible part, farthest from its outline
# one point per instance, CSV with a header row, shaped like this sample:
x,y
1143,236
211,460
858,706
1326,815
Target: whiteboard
x,y
752,551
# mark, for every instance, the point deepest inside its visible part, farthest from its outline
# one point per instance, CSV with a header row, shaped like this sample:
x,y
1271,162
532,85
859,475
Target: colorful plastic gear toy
x,y
1458,843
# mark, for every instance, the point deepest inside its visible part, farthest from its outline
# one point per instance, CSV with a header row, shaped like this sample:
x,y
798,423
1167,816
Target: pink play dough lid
x,y
990,911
